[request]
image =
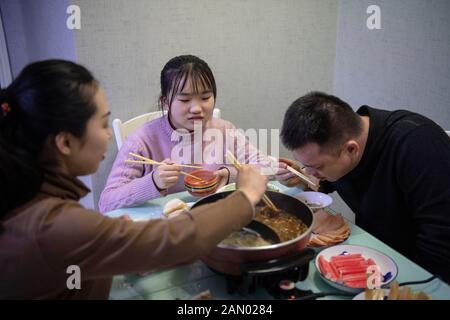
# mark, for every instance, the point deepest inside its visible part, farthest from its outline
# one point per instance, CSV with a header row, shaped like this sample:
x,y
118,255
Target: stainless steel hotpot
x,y
227,260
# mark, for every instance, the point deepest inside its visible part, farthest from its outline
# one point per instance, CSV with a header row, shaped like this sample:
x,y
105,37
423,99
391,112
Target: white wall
x,y
406,64
264,54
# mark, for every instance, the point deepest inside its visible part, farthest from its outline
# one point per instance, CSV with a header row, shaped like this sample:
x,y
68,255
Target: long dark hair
x,y
46,98
179,70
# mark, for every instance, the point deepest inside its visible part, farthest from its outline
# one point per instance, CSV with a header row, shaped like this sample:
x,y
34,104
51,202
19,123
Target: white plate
x,y
385,264
313,197
232,187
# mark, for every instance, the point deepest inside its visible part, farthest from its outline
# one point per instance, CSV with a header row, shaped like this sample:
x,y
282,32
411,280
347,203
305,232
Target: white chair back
x,y
123,129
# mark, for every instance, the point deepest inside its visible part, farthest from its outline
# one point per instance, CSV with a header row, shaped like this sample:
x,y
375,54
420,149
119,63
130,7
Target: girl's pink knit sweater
x,y
132,184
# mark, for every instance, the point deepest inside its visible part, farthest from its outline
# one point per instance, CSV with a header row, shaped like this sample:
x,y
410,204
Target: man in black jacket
x,y
392,168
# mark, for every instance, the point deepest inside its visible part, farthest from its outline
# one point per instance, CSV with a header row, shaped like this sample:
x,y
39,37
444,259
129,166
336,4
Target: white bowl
x,y
232,187
385,263
315,200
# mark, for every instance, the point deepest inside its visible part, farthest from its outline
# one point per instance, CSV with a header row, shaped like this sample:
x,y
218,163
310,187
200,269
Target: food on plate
x,y
286,225
349,269
328,229
174,207
395,293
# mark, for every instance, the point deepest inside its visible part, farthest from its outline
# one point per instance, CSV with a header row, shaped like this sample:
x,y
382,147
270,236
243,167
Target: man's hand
x,y
284,176
289,179
251,182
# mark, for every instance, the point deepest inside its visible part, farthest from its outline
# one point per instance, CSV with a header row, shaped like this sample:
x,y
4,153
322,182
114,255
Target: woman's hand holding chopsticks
x,y
238,166
166,175
251,182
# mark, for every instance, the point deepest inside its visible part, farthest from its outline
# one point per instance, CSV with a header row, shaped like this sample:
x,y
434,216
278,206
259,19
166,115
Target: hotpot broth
x,y
286,225
228,260
243,238
292,221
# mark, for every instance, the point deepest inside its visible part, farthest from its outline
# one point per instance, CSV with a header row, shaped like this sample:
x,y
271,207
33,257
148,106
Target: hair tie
x,y
6,108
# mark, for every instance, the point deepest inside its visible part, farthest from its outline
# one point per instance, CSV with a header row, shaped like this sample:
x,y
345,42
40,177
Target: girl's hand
x,y
223,175
166,175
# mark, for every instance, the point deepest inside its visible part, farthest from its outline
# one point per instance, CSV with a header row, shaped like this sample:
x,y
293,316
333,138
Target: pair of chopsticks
x,y
144,160
302,176
265,198
297,173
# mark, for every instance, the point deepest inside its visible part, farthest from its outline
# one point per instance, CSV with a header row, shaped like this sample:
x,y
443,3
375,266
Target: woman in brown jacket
x,y
53,128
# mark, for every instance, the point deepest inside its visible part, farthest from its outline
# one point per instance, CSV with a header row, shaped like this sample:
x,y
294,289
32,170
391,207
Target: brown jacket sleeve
x,y
103,246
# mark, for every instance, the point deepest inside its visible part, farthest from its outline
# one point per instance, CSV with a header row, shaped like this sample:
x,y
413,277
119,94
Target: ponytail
x,y
46,98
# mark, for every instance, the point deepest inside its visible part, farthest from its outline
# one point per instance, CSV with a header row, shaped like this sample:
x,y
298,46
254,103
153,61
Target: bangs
x,y
200,81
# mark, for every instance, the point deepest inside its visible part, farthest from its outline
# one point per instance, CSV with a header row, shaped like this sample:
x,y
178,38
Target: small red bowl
x,y
203,188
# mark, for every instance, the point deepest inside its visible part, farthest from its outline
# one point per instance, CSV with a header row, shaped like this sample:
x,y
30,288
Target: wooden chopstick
x,y
150,161
188,166
138,161
265,198
192,176
269,203
296,172
153,162
141,157
301,175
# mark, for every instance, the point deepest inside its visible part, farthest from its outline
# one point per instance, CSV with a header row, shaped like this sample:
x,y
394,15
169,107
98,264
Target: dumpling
x,y
174,207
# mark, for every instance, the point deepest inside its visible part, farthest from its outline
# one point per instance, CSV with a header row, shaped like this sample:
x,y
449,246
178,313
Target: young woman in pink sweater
x,y
188,94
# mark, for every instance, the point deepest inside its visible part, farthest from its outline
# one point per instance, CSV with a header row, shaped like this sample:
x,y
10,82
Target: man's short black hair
x,y
319,118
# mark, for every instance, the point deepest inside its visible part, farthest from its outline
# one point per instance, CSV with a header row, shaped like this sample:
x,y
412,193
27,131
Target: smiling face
x,y
86,153
190,105
326,164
